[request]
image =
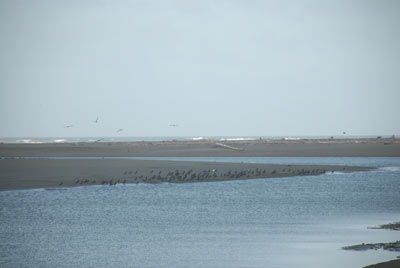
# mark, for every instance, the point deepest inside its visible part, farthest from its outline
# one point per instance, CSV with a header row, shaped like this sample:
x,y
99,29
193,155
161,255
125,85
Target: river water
x,y
279,222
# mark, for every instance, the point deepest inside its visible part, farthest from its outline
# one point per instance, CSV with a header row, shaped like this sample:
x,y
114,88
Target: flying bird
x,y
99,140
96,121
68,126
119,130
173,125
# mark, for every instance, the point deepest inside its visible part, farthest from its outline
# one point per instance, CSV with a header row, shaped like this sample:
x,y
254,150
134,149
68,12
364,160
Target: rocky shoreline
x,y
391,246
391,226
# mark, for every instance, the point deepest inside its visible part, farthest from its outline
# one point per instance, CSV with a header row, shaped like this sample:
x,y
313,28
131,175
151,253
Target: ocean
x,y
169,138
277,222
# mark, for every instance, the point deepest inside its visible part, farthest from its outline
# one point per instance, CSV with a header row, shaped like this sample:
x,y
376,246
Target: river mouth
x,y
275,222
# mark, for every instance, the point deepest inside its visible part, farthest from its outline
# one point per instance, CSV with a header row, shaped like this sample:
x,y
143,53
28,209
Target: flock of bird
x,y
117,131
96,122
180,176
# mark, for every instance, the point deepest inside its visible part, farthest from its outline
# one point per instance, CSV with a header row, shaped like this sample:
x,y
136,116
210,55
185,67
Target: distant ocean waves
x,y
118,139
159,138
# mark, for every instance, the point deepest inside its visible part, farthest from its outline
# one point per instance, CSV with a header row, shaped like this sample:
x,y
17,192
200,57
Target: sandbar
x,y
19,173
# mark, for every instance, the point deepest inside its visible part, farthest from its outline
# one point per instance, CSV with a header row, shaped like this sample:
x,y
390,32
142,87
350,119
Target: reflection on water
x,y
280,222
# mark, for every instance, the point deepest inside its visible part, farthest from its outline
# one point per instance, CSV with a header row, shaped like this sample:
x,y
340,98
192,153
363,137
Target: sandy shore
x,y
391,246
44,173
306,147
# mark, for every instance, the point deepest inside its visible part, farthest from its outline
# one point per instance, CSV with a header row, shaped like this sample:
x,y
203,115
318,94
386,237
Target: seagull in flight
x,y
119,130
96,121
68,126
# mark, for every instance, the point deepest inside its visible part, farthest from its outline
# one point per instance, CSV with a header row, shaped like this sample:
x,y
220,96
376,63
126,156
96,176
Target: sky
x,y
212,67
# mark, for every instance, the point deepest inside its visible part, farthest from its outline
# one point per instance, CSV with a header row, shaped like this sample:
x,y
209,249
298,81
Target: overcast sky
x,y
213,67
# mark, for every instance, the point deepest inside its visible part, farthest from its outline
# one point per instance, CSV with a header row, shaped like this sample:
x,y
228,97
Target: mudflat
x,y
43,173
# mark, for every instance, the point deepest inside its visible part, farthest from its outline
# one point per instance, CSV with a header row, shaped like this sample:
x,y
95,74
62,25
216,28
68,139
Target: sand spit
x,y
261,147
44,173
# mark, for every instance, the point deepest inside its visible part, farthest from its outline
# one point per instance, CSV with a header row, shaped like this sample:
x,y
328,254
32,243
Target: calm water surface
x,y
281,222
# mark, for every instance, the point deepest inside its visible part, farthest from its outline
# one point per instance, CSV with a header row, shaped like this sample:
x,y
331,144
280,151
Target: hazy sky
x,y
214,67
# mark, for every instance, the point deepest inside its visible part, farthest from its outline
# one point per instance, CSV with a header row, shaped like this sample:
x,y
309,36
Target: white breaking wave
x,y
27,141
291,139
59,140
24,141
238,139
198,139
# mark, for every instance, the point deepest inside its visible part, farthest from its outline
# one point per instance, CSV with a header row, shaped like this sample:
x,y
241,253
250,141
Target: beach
x,y
363,147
